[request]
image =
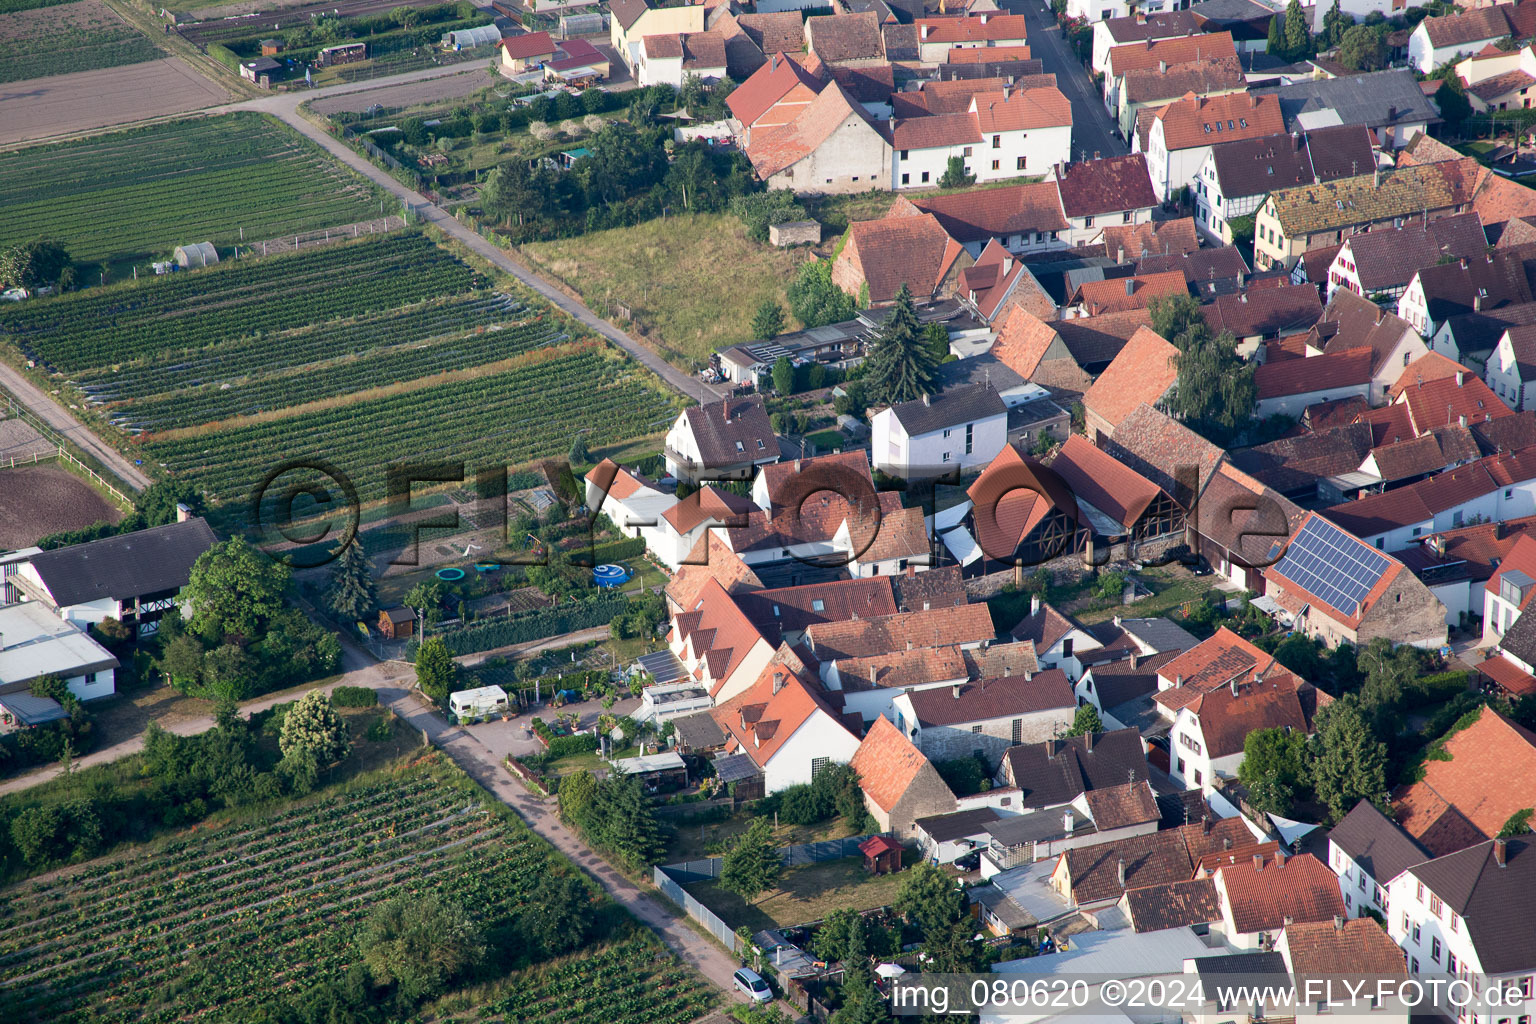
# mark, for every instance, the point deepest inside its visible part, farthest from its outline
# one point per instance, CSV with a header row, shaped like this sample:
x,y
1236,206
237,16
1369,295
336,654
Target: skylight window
x,y
1243,121
818,605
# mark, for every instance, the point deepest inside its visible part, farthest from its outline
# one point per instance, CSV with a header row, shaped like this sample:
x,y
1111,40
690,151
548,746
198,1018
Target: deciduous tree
x,y
1086,720
1364,47
419,943
1350,763
930,899
314,729
1274,768
752,865
236,591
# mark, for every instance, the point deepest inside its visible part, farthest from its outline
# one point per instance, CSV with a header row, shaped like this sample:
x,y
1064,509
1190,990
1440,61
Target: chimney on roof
x,y
1120,255
1095,154
1135,658
1130,286
1338,922
1234,686
1461,378
1226,843
1258,862
1007,670
1034,603
1121,872
1477,301
925,30
927,399
955,689
778,681
1463,421
1500,852
983,17
183,513
773,64
1279,858
1289,920
1205,824
1178,680
1088,741
1391,113
1295,142
1007,91
1066,820
1463,263
1162,67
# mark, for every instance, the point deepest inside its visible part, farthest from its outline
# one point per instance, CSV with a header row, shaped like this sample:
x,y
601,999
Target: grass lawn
x,y
1170,588
805,894
692,282
692,842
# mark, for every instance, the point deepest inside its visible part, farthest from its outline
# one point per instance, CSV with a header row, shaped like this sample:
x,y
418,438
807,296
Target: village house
x,y
630,21
1235,177
1178,137
1286,387
1261,897
1367,850
525,52
1469,285
1019,515
784,724
668,58
717,644
1390,104
1151,87
1512,366
1442,40
985,717
1160,55
38,643
960,428
1378,264
1096,194
1294,220
1208,733
1143,372
853,39
827,145
1059,641
1334,587
1449,400
1024,218
869,684
936,37
1165,238
135,578
1255,315
1141,27
1497,79
1098,876
1354,948
1052,773
1119,505
1465,914
879,256
731,438
900,785
999,282
996,137
968,627
1092,818
1120,294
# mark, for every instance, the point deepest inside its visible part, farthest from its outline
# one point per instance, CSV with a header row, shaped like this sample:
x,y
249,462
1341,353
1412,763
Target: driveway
x,y
1093,130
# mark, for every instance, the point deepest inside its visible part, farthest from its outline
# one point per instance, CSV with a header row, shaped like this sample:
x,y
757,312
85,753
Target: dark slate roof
x,y
1048,777
718,426
957,824
1161,634
951,407
1377,843
126,566
1223,11
1241,963
1377,100
1497,903
699,731
1520,638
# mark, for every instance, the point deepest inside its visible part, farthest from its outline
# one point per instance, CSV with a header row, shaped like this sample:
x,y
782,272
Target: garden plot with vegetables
x,y
265,919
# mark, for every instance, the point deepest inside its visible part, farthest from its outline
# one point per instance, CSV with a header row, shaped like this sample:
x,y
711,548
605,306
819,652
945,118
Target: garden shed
x,y
196,254
397,623
658,773
482,700
795,232
469,38
882,855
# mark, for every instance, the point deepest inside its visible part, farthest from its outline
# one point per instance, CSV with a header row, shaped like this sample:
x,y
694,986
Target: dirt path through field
x,y
62,421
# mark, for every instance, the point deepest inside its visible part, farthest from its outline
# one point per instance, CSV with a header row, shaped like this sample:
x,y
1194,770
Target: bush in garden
x,y
418,944
355,697
314,730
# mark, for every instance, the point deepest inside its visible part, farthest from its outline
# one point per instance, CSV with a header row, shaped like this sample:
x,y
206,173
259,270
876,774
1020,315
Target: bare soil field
x,y
407,94
20,442
67,38
38,500
42,108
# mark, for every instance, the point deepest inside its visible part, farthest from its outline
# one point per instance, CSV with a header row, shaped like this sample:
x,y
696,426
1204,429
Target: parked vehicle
x,y
752,985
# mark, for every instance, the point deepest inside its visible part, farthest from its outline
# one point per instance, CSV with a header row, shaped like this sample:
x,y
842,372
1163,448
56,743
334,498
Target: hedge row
x,y
526,627
618,550
354,697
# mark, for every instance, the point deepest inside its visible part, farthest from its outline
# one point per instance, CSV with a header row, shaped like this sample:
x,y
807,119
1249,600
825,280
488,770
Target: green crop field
x,y
218,373
130,197
79,36
219,922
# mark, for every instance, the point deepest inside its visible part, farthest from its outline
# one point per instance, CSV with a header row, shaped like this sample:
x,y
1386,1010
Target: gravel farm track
x,y
38,500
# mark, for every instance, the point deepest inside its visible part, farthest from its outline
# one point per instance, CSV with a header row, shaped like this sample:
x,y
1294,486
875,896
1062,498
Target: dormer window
x,y
740,447
759,444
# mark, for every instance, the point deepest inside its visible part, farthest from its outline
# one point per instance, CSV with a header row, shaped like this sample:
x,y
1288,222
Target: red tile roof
x,y
985,54
769,84
982,214
1192,121
887,763
953,97
839,472
1350,368
707,503
892,251
1490,774
1104,482
1354,946
1118,294
1441,402
710,560
1213,664
836,37
1142,372
1166,237
987,699
935,130
1265,311
1152,53
530,44
1022,110
774,148
1107,185
1507,674
719,630
1147,860
1262,898
1226,718
987,27
937,627
763,717
1012,496
1022,341
1430,366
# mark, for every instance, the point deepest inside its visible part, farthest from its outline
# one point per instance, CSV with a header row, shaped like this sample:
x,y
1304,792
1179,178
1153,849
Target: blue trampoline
x,y
611,575
450,575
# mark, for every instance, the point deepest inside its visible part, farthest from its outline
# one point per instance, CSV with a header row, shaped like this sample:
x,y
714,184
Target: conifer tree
x,y
900,364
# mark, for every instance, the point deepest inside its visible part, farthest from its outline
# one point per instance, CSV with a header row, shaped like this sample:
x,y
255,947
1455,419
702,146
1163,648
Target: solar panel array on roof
x,y
734,768
663,667
1332,565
